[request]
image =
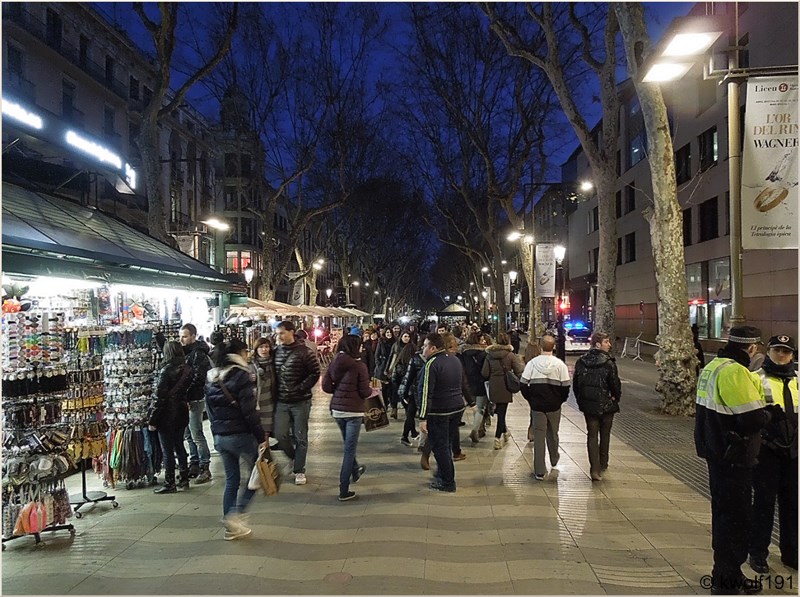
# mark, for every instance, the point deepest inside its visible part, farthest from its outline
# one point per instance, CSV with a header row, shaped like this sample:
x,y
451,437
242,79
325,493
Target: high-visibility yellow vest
x,y
728,388
773,390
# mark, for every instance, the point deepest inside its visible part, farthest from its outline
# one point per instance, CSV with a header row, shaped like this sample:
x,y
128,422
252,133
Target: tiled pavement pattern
x,y
640,531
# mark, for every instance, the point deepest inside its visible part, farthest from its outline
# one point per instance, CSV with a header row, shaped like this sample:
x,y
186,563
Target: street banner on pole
x,y
545,270
507,288
769,164
298,288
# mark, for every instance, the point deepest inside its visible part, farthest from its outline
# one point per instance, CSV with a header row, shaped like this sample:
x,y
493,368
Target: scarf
x,y
782,371
735,353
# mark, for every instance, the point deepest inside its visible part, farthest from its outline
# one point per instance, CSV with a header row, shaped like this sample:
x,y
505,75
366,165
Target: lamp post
x,y
248,277
687,40
512,276
559,251
328,293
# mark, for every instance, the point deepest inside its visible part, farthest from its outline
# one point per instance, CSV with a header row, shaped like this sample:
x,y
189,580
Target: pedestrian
x,y
197,358
775,473
473,355
731,412
441,405
545,385
383,357
598,391
237,431
500,359
216,339
348,380
263,368
170,414
393,372
368,347
407,391
297,371
698,349
514,338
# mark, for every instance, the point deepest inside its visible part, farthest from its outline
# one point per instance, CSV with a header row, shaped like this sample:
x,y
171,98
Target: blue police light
x,y
575,325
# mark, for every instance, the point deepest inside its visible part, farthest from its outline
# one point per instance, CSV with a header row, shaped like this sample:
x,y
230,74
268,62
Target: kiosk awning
x,y
45,235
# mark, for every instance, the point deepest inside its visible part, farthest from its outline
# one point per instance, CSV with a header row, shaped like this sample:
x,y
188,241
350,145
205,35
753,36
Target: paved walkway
x,y
641,530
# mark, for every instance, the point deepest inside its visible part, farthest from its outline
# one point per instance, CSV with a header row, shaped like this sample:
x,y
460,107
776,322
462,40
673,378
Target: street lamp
x,y
687,40
559,252
512,276
328,293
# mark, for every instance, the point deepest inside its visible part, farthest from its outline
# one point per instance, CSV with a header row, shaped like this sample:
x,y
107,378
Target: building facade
x,y
698,116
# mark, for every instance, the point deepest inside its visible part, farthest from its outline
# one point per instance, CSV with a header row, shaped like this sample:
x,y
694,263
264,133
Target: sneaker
x,y
459,456
238,534
235,527
194,470
498,444
538,477
437,486
203,477
507,436
300,479
758,565
554,460
405,441
393,413
358,472
347,496
596,476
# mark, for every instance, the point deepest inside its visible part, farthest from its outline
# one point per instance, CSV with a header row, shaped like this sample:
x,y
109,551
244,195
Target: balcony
x,y
35,27
20,86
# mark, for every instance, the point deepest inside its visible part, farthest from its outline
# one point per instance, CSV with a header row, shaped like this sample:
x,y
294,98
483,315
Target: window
x,y
247,231
14,64
83,51
245,165
54,29
709,220
709,148
67,98
619,250
744,53
618,204
630,247
683,163
134,88
231,165
706,94
232,262
594,257
619,163
630,199
108,120
687,226
593,220
230,198
637,136
109,78
726,223
147,95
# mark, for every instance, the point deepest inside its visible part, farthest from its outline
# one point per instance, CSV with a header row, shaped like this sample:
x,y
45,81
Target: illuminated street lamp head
x,y
586,186
559,251
366,284
459,297
512,275
447,297
528,238
484,269
685,40
484,294
321,261
375,293
328,292
356,283
503,262
216,224
516,235
248,274
317,266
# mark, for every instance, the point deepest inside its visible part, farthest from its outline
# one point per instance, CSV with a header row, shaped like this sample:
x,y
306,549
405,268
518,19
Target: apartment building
x,y
698,115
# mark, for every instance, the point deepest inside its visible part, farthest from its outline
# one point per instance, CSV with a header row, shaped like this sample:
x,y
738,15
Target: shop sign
x,y
769,165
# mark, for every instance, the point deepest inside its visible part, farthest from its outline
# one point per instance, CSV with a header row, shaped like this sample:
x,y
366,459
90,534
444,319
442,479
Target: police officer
x,y
731,412
775,475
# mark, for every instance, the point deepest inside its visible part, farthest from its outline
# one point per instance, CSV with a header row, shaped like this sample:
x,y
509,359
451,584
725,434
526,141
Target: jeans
x,y
598,425
389,393
500,410
440,434
480,411
294,415
411,412
198,446
545,433
774,477
350,428
233,449
171,439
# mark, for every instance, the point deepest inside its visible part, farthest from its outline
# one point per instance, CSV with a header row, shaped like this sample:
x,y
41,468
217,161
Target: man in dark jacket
x,y
597,390
297,371
545,385
441,404
731,412
197,358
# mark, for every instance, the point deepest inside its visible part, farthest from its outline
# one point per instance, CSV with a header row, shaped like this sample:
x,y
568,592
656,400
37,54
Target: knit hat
x,y
355,331
745,334
782,342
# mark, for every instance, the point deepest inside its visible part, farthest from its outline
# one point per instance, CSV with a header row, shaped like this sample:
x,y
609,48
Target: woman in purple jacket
x,y
347,379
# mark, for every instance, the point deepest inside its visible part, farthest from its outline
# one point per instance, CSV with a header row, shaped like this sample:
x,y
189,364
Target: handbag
x,y
266,474
512,382
375,415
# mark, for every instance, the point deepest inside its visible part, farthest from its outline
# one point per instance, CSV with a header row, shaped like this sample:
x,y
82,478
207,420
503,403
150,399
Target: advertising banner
x,y
298,288
769,164
545,271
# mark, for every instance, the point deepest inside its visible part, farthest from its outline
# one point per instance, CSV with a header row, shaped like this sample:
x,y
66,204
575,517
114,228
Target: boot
x,y
168,486
394,413
204,476
194,470
183,479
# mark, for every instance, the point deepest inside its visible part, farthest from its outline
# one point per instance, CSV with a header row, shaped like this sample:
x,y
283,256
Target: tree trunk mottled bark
x,y
675,358
605,308
147,141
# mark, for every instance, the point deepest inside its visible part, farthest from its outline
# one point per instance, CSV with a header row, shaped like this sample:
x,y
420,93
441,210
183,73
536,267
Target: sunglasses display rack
x,y
35,384
129,369
84,408
170,331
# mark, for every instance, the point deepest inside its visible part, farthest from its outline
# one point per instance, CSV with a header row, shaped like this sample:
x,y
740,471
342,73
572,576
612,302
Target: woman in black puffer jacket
x,y
170,414
597,390
237,430
347,379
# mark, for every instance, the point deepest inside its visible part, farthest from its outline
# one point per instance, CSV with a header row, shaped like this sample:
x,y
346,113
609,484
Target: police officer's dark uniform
x,y
730,415
775,475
